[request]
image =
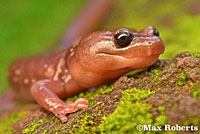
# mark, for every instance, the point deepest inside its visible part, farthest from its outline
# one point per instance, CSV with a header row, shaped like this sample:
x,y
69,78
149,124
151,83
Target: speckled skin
x,y
93,61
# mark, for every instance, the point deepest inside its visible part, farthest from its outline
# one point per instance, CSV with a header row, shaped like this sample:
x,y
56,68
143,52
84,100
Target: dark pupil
x,y
123,39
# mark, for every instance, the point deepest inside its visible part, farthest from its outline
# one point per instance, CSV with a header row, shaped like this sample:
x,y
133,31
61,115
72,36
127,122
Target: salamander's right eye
x,y
123,38
155,32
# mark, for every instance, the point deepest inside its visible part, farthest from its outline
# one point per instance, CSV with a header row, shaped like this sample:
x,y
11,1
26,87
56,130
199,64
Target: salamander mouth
x,y
126,57
129,56
135,51
131,63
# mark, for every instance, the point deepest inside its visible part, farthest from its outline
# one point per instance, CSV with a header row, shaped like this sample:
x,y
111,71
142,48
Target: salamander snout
x,y
150,30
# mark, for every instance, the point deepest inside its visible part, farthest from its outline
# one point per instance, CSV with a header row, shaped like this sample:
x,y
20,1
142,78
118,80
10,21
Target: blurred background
x,y
30,27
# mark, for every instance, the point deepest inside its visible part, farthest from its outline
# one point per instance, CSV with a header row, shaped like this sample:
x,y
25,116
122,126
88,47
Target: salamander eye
x,y
123,38
155,32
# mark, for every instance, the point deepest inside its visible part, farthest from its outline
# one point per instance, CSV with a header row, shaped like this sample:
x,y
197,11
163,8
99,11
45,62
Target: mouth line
x,y
109,54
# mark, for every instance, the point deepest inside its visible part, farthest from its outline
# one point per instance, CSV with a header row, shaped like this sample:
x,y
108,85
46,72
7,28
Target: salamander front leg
x,y
44,92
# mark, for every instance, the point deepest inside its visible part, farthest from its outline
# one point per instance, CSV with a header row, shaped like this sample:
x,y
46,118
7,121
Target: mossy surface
x,y
35,124
129,113
182,79
195,89
6,123
32,129
162,118
196,55
154,72
135,113
106,89
87,123
126,118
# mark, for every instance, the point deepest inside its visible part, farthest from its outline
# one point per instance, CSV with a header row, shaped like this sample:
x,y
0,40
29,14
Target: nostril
x,y
155,32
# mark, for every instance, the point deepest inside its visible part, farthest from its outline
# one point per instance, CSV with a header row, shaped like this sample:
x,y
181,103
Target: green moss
x,y
132,73
126,117
129,113
57,121
87,124
196,55
182,79
32,129
45,132
135,113
173,106
172,64
40,120
154,72
162,118
157,79
181,83
195,89
93,94
192,120
125,87
134,95
6,123
34,126
161,109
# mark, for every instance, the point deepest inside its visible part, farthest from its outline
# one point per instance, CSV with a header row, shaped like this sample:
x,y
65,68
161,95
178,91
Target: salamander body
x,y
96,59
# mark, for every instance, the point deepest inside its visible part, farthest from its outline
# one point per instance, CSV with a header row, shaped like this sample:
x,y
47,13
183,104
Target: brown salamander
x,y
96,59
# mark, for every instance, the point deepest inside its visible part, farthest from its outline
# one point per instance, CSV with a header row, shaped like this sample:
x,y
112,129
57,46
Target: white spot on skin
x,y
72,53
45,65
66,71
59,70
17,72
50,71
63,77
71,50
33,80
52,103
68,78
26,81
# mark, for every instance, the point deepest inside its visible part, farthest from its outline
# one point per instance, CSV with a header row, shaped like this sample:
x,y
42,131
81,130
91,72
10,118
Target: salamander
x,y
97,58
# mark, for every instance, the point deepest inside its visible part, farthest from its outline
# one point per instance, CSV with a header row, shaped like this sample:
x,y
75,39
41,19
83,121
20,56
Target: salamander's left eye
x,y
123,38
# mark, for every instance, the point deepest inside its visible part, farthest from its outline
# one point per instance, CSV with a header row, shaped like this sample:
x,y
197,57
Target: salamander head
x,y
119,49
